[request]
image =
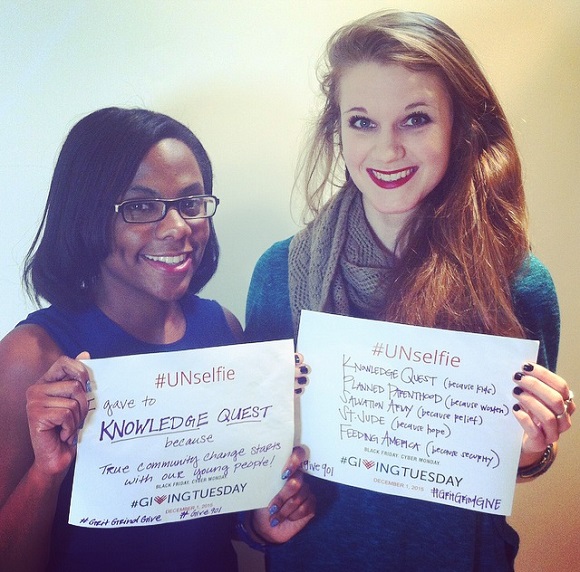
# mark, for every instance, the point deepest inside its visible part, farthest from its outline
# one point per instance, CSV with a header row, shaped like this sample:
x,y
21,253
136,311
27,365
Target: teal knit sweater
x,y
359,530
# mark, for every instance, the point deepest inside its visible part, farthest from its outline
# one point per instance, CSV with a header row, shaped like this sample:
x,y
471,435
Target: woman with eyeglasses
x,y
125,243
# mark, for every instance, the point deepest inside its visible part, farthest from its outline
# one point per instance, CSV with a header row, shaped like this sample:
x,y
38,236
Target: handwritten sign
x,y
181,435
410,411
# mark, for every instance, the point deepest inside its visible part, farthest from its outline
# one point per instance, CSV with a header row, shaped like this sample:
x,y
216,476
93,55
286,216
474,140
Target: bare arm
x,y
234,325
42,404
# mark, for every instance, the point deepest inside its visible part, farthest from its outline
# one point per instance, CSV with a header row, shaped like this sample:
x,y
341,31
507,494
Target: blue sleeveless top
x,y
196,545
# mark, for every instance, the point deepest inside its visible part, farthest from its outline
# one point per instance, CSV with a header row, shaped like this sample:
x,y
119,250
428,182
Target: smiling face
x,y
395,127
155,261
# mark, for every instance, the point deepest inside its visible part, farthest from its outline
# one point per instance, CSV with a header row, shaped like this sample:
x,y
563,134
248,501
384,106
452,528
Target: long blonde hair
x,y
467,241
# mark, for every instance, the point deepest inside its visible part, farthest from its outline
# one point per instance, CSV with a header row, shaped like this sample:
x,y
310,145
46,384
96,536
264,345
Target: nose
x,y
173,225
389,146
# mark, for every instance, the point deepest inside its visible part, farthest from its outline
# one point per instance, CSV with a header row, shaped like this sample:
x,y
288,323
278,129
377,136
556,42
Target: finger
x,y
301,372
299,505
63,418
302,369
305,511
59,400
66,368
71,390
534,437
291,485
60,421
538,376
287,501
277,532
543,419
569,403
548,388
294,462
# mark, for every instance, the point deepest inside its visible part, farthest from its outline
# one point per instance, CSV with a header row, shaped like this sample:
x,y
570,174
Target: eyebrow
x,y
409,107
195,189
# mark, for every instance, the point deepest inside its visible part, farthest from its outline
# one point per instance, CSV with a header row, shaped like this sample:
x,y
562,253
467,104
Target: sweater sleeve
x,y
268,314
536,305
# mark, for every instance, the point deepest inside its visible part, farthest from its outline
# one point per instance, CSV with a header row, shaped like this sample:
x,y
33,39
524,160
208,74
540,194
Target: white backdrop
x,y
241,74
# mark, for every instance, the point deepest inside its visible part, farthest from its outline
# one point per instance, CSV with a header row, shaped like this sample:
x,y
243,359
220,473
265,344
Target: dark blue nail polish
x,y
274,522
273,509
518,390
518,376
302,380
286,474
296,359
298,391
517,407
528,367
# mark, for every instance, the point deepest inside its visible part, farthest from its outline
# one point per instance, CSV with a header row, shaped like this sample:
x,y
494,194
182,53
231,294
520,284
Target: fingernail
x,y
296,359
303,369
516,407
274,522
518,376
528,367
302,380
88,386
298,391
273,509
518,390
286,474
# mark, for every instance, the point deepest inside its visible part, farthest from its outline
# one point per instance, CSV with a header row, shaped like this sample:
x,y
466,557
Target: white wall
x,y
240,73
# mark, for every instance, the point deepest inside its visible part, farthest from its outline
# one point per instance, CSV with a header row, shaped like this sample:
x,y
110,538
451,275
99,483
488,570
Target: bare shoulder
x,y
234,324
25,354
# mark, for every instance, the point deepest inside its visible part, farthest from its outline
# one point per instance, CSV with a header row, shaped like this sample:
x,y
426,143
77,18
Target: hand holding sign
x,y
291,509
56,408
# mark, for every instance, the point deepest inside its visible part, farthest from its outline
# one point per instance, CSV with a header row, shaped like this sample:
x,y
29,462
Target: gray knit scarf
x,y
336,264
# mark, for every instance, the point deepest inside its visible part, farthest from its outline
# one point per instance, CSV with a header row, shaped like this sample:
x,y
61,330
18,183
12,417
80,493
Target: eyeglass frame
x,y
167,204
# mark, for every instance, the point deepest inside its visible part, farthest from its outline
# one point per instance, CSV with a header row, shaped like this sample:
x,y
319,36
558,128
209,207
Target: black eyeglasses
x,y
153,210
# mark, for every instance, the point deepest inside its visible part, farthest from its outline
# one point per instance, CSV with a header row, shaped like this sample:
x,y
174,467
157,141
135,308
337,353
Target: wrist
x,y
249,534
45,480
539,466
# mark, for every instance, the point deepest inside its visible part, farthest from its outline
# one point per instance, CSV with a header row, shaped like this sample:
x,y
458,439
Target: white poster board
x,y
179,435
416,412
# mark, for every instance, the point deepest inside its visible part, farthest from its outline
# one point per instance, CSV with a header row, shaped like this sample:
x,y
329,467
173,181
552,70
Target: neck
x,y
387,228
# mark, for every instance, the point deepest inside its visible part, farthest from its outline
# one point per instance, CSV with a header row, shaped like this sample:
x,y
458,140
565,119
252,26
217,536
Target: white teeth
x,y
167,259
392,177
